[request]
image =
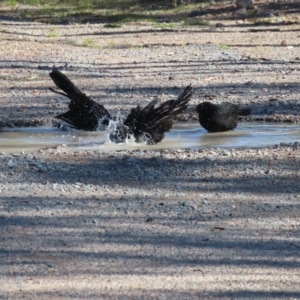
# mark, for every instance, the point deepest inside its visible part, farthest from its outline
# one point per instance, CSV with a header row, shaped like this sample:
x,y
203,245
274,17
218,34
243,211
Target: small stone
x,y
269,206
243,3
42,168
181,194
197,172
149,219
284,43
24,186
11,163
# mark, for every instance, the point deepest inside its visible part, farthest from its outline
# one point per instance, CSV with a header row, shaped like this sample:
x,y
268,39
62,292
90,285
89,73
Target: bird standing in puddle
x,y
220,117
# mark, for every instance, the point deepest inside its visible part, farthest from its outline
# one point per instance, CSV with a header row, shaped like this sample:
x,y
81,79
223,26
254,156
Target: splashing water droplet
x,y
102,123
117,132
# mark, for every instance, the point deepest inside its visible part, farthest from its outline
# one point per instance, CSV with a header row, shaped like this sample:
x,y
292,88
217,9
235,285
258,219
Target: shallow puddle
x,y
14,140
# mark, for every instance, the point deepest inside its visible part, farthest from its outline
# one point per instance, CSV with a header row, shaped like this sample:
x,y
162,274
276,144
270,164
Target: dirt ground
x,y
171,224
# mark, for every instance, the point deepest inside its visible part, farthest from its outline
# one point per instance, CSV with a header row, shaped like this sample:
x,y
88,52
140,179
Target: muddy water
x,y
182,136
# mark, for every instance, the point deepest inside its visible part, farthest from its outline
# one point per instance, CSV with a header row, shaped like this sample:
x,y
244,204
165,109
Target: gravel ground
x,y
171,224
178,224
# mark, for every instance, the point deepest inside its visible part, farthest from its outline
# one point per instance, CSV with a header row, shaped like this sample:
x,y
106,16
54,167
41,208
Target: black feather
x,y
220,117
84,113
151,122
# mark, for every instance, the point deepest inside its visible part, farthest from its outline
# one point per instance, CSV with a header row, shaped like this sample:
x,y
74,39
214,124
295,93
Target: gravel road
x,y
172,224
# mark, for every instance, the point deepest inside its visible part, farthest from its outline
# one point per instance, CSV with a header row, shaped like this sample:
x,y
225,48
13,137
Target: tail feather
x,y
65,84
170,108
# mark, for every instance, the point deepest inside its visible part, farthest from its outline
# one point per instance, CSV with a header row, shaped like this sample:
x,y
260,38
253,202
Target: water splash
x,y
116,132
146,138
102,123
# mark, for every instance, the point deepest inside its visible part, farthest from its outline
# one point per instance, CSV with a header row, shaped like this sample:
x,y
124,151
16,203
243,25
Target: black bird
x,y
146,124
220,117
84,113
149,124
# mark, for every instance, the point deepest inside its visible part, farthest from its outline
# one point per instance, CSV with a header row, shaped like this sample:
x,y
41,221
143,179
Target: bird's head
x,y
205,108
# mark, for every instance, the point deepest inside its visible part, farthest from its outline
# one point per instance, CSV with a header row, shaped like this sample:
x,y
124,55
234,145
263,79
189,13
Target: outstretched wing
x,y
155,121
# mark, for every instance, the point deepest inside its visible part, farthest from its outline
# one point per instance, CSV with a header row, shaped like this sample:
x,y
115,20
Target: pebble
x,y
11,163
24,186
42,168
243,3
270,207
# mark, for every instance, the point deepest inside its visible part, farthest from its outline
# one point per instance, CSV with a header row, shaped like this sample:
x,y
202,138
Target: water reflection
x,y
14,140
